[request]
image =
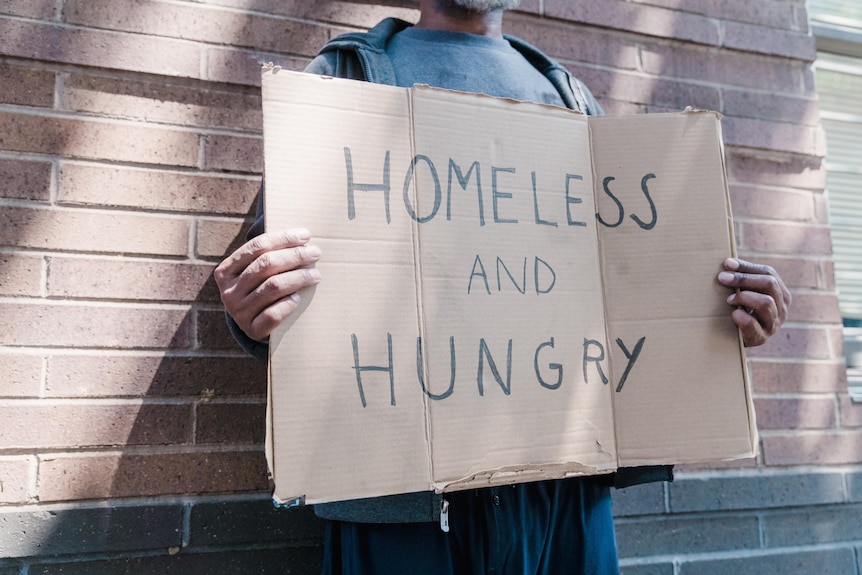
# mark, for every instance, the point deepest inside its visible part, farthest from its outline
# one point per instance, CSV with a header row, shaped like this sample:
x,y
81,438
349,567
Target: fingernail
x,y
731,264
313,252
730,298
314,274
302,234
725,277
294,297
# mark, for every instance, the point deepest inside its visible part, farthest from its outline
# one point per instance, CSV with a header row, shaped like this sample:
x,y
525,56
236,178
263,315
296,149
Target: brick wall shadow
x,y
229,524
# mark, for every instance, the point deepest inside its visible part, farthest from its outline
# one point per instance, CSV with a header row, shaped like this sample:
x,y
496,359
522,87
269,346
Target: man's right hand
x,y
258,282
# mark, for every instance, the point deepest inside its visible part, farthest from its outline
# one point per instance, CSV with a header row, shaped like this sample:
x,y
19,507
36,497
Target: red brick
x,y
851,412
164,102
93,231
154,376
795,413
99,49
234,153
834,448
775,14
532,6
767,106
157,189
21,375
788,239
836,335
775,136
124,279
752,38
615,107
218,238
213,333
638,18
59,325
94,139
796,343
208,24
130,475
827,275
570,43
40,9
26,87
725,68
234,66
821,208
16,476
639,89
798,377
359,14
25,180
802,172
772,204
20,274
74,425
815,308
231,423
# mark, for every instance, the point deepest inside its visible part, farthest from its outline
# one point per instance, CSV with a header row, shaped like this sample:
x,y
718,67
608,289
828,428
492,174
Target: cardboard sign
x,y
510,291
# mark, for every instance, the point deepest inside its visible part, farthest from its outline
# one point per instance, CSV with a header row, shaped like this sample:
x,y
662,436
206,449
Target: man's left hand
x,y
761,300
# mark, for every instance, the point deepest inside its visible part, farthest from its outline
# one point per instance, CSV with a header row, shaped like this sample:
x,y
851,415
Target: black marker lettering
x,y
553,281
360,368
521,288
597,359
352,186
570,200
554,366
481,273
496,195
408,179
539,220
645,190
632,357
506,386
619,204
421,374
463,181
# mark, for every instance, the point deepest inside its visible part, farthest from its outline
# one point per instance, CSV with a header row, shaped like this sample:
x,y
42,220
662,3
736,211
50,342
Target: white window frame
x,y
842,37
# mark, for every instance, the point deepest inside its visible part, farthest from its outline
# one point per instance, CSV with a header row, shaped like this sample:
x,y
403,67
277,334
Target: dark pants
x,y
543,528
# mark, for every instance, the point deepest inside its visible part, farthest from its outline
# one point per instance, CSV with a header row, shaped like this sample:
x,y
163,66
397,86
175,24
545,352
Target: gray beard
x,y
480,6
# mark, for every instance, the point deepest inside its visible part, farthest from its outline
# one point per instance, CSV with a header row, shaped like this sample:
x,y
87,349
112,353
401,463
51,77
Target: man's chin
x,y
480,6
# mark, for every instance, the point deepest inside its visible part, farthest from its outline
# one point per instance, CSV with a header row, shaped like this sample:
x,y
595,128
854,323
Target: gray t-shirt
x,y
468,63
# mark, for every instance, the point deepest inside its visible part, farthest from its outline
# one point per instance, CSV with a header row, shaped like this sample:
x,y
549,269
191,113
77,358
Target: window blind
x,y
839,86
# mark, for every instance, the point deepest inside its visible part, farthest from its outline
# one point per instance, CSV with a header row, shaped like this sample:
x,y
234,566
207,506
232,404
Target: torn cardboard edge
x,y
309,122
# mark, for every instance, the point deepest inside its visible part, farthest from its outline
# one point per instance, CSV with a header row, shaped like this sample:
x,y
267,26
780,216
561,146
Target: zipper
x,y
444,516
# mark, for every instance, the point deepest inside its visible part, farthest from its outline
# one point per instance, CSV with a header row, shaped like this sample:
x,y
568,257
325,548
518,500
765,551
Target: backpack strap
x,y
362,55
574,93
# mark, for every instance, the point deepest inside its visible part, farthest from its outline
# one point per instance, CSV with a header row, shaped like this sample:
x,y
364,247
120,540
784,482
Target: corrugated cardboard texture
x,y
491,311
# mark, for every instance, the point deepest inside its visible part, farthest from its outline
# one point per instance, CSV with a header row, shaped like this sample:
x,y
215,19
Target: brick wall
x,y
131,427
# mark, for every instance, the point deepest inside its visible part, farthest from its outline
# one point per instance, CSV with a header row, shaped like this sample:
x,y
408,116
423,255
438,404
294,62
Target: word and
x,y
548,375
544,276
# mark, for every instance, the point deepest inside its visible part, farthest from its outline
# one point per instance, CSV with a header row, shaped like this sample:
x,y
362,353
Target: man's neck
x,y
435,17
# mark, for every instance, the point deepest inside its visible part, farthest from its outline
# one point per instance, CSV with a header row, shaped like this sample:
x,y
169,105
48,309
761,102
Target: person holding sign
x,y
543,527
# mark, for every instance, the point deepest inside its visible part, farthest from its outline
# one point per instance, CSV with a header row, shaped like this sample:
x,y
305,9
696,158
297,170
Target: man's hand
x,y
761,302
258,282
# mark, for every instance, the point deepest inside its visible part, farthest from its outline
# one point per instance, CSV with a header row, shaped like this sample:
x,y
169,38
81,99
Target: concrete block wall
x,y
130,154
